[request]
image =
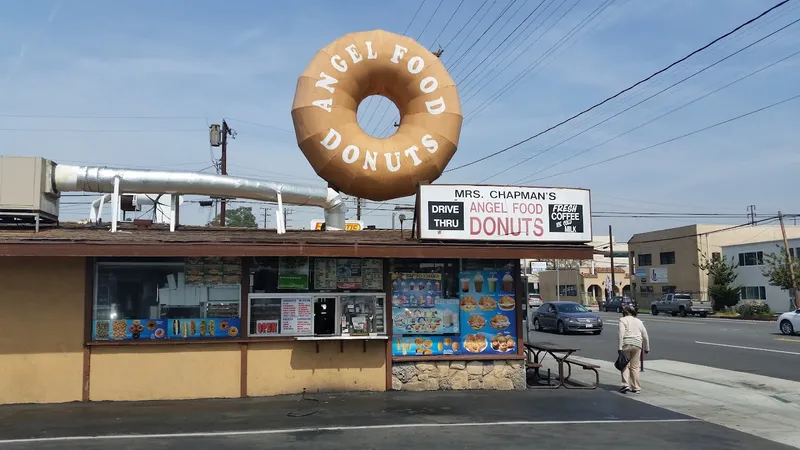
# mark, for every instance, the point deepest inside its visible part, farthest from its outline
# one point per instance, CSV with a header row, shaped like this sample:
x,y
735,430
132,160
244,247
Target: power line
x,y
371,99
488,64
463,41
99,130
658,117
537,154
644,80
69,117
527,70
721,230
502,13
732,119
452,16
430,19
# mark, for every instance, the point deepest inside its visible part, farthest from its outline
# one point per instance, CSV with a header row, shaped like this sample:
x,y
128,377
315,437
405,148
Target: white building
x,y
751,260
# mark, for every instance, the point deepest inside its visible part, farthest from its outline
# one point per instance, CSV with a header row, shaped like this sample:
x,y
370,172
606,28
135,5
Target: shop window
x,y
353,314
667,289
454,307
316,297
667,258
751,259
646,289
567,290
195,298
273,275
645,260
753,292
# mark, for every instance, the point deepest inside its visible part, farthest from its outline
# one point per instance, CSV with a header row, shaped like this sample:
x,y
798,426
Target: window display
x,y
167,299
478,316
362,315
322,315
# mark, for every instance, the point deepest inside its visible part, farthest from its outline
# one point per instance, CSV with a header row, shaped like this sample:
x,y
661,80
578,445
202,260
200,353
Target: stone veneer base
x,y
505,375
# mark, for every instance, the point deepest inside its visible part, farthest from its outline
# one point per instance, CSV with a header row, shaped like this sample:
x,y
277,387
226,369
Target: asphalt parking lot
x,y
394,420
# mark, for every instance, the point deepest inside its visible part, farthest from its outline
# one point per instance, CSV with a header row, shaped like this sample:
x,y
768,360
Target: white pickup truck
x,y
683,304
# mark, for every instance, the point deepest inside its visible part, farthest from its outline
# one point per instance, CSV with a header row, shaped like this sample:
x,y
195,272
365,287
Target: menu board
x,y
293,273
488,312
297,316
416,290
209,328
324,274
443,318
348,273
120,330
372,274
213,270
425,345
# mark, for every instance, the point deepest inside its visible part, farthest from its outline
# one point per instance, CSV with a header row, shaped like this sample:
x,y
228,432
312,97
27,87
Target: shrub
x,y
753,308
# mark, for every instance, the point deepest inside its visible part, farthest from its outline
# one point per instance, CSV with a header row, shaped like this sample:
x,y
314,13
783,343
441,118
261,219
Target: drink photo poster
x,y
488,312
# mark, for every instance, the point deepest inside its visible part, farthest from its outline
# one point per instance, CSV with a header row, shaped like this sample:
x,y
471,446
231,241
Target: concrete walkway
x,y
761,406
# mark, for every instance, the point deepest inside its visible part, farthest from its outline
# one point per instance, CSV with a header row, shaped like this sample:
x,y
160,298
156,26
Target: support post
x,y
174,214
611,250
280,217
789,262
115,206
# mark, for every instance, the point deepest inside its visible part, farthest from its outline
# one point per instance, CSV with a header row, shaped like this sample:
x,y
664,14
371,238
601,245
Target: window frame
x,y
314,296
647,263
670,261
757,255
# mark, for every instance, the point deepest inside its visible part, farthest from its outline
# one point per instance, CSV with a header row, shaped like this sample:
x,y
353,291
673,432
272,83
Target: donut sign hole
x,y
377,116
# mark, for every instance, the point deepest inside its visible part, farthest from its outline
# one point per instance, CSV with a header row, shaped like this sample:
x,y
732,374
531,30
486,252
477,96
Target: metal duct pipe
x,y
101,179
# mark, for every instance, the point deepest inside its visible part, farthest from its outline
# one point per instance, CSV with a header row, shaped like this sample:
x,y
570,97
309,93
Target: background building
x,y
587,281
667,260
755,286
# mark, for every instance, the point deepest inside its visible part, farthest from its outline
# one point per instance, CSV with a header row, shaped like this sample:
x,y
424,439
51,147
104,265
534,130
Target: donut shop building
x,y
146,313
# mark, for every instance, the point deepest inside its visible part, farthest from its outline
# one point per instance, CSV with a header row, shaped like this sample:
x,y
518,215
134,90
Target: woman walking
x,y
633,340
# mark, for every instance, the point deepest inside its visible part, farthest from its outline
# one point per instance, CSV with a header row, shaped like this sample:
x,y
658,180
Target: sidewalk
x,y
390,421
762,406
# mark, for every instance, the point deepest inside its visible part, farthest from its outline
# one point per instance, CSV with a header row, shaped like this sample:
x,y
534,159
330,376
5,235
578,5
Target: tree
x,y
776,269
722,291
237,217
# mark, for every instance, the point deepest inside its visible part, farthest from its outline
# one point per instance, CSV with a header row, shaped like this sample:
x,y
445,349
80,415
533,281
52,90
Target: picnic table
x,y
561,355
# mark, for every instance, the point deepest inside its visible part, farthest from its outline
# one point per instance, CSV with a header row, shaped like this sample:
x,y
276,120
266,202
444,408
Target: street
x,y
742,346
738,374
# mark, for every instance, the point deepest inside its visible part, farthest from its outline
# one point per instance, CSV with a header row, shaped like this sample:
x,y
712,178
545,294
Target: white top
x,y
633,332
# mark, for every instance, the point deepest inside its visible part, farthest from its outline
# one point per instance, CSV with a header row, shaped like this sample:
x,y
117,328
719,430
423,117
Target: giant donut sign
x,y
339,78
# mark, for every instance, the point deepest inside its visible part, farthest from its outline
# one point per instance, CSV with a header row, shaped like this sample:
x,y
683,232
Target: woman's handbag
x,y
622,361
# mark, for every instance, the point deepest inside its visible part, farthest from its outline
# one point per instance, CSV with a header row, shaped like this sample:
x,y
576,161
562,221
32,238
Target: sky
x,y
136,84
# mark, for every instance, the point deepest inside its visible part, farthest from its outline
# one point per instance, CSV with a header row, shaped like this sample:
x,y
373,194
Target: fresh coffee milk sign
x,y
504,213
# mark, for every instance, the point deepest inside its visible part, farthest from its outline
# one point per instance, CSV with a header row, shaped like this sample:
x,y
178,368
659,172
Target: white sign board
x,y
504,213
657,275
538,266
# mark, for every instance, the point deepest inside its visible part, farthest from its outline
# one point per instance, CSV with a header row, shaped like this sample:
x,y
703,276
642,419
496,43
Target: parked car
x,y
683,304
535,300
789,322
617,303
566,317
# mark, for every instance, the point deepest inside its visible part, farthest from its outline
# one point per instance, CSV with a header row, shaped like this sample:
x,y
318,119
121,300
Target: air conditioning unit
x,y
27,194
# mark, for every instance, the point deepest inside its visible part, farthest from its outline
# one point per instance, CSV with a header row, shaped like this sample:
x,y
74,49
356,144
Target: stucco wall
x,y
165,372
41,337
288,367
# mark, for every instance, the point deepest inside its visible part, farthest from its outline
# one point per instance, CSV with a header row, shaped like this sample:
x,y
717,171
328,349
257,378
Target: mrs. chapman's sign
x,y
504,213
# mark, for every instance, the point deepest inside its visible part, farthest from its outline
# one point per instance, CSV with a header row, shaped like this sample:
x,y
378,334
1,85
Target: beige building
x,y
585,281
667,260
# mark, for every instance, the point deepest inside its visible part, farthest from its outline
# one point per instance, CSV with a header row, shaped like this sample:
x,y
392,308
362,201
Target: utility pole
x,y
226,131
358,208
286,214
265,210
789,263
751,212
611,250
